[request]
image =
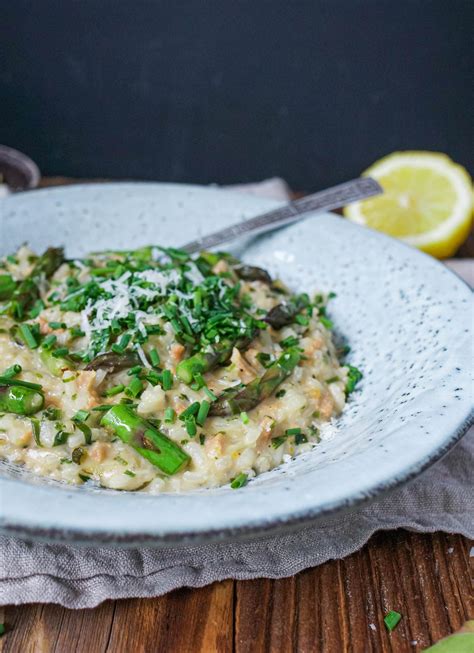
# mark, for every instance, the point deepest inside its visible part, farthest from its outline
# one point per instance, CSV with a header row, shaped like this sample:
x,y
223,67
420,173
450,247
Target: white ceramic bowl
x,y
407,318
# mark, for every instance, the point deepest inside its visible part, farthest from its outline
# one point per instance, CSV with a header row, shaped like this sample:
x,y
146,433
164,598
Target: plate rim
x,y
288,520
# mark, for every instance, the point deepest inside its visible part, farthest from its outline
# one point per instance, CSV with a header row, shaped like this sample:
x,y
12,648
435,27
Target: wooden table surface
x,y
334,608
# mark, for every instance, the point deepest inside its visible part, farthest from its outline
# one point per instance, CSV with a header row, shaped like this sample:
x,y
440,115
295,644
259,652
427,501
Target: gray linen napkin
x,y
442,499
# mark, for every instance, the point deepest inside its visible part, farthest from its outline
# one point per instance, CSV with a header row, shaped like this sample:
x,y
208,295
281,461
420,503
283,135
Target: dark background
x,y
234,90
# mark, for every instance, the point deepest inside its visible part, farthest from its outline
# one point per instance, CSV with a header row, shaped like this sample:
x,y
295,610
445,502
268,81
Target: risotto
x,y
156,371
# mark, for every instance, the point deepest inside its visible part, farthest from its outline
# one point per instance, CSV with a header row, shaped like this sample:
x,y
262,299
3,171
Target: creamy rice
x,y
218,448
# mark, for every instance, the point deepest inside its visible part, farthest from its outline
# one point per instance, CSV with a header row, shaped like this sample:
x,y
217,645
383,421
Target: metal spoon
x,y
324,200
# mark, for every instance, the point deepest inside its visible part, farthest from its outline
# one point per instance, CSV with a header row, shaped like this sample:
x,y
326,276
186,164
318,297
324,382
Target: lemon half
x,y
427,201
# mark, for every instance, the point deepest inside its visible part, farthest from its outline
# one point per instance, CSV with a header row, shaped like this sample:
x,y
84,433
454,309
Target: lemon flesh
x,y
427,201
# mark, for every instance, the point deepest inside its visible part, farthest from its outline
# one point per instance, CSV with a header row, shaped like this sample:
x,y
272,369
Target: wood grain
x,y
337,607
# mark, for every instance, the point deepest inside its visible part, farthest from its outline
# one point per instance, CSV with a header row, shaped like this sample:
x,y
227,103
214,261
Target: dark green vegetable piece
x,y
146,440
112,362
392,619
27,292
242,399
353,379
20,399
12,371
36,429
283,314
7,286
239,481
252,273
204,361
8,380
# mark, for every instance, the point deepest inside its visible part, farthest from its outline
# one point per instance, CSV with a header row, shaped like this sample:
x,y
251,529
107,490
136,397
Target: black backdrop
x,y
234,90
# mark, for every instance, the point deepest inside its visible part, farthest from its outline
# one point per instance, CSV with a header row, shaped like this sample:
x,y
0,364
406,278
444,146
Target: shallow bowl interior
x,y
407,319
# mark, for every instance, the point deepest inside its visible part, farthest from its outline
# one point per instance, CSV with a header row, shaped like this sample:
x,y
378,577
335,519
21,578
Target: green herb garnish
x,y
239,481
391,619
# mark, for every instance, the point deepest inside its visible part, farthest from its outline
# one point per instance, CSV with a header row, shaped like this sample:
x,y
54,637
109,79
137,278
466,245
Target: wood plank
x,y
50,628
336,607
340,605
185,620
265,615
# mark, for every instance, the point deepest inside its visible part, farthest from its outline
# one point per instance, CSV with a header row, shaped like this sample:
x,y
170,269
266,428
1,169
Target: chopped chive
x,y
57,325
190,425
300,438
49,341
170,415
302,319
191,410
153,377
333,379
198,381
210,394
264,358
392,619
134,370
60,352
28,336
36,428
135,387
203,412
176,325
244,417
12,371
280,393
60,438
102,408
84,477
202,438
325,321
87,431
52,413
239,481
16,382
115,390
36,309
154,357
129,472
294,431
166,380
76,332
278,441
291,341
119,348
353,378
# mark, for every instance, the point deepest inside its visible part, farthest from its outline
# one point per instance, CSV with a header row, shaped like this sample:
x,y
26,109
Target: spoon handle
x,y
324,200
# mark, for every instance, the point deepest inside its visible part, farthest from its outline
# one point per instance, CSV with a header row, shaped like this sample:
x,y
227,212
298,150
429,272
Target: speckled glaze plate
x,y
408,321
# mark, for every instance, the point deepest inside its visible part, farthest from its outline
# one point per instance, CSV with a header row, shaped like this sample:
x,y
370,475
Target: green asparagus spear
x,y
112,362
204,361
55,364
145,439
284,313
27,292
20,399
7,286
252,273
241,399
